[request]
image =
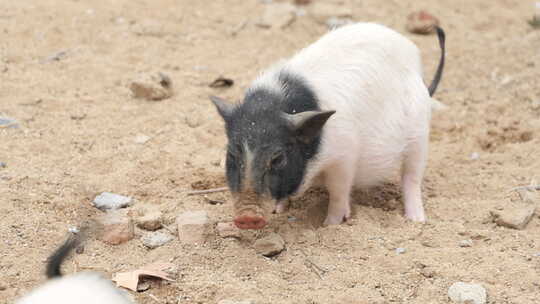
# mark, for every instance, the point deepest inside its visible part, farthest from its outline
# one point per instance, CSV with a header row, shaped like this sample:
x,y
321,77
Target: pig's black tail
x,y
54,262
438,74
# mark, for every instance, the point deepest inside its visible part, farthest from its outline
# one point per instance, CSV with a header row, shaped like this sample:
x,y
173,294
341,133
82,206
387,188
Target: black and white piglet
x,y
80,288
349,110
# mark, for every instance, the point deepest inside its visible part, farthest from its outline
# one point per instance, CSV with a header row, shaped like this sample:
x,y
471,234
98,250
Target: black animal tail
x,y
57,258
438,74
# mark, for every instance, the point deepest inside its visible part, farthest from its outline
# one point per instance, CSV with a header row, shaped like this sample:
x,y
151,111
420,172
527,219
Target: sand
x,y
66,69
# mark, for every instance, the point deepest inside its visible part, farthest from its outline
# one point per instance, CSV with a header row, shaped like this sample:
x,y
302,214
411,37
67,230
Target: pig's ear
x,y
309,124
224,108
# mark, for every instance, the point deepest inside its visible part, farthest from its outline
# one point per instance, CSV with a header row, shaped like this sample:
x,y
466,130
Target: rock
x,y
467,293
322,11
465,243
143,286
192,226
107,200
3,165
8,123
228,229
400,250
157,86
156,239
421,22
236,302
474,156
334,22
150,221
269,245
117,227
277,15
193,120
141,139
515,216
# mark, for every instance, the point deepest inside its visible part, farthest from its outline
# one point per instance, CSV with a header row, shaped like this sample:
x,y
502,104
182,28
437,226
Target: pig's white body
x,y
81,288
372,77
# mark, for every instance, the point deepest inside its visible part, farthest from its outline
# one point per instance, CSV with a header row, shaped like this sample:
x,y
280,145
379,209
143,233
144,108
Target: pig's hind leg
x,y
413,167
339,181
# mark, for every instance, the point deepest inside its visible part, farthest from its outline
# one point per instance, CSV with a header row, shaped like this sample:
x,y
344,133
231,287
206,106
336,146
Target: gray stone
x,y
270,245
277,15
466,293
3,165
8,123
400,250
107,200
192,226
156,239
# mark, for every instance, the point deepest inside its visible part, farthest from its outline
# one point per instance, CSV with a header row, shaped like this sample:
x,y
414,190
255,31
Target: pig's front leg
x,y
339,181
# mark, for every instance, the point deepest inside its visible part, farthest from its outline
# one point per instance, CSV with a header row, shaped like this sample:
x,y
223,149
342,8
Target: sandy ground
x,y
78,122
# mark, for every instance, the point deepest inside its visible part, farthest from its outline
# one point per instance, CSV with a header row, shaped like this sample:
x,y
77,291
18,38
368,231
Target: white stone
x,y
270,245
466,293
107,200
192,226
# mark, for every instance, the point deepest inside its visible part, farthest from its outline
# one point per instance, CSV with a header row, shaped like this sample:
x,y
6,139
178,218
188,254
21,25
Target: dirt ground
x,y
78,121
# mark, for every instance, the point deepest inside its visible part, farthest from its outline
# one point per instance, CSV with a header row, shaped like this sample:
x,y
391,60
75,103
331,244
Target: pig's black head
x,y
272,136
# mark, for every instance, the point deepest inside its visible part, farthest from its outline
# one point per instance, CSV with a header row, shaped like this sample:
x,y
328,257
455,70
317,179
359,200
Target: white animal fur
x,y
372,77
81,288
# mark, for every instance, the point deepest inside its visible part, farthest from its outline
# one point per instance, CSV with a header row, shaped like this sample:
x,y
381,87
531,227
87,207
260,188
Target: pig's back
x,y
372,77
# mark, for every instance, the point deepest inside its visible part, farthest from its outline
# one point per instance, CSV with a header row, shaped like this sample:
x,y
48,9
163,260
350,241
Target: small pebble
x,y
277,15
466,293
269,245
141,139
156,239
421,22
157,86
400,250
143,286
8,123
107,200
465,243
150,221
73,229
3,165
228,229
474,156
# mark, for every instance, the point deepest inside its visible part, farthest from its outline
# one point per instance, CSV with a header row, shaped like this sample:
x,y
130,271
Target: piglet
x,y
350,110
80,288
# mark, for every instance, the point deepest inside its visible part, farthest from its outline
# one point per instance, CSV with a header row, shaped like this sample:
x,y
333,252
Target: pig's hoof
x,y
250,222
281,207
416,217
334,220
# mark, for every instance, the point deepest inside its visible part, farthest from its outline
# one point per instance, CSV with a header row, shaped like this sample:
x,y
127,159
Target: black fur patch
x,y
280,158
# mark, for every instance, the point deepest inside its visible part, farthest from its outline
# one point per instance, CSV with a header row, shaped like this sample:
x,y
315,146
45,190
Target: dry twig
x,y
206,191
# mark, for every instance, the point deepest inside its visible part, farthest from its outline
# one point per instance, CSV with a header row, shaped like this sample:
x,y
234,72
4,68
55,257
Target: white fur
x,y
81,288
372,77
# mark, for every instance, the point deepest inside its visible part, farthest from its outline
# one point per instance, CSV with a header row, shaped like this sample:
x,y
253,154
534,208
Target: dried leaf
x,y
130,279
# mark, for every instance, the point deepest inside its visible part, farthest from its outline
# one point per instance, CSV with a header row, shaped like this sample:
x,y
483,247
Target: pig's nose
x,y
250,222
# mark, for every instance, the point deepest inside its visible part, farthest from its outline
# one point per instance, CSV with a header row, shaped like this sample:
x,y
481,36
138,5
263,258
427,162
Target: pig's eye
x,y
279,161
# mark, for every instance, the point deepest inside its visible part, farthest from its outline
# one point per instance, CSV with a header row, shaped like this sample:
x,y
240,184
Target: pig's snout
x,y
248,221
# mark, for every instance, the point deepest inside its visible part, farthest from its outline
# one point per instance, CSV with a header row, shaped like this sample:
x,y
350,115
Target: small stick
x,y
314,267
196,192
529,188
